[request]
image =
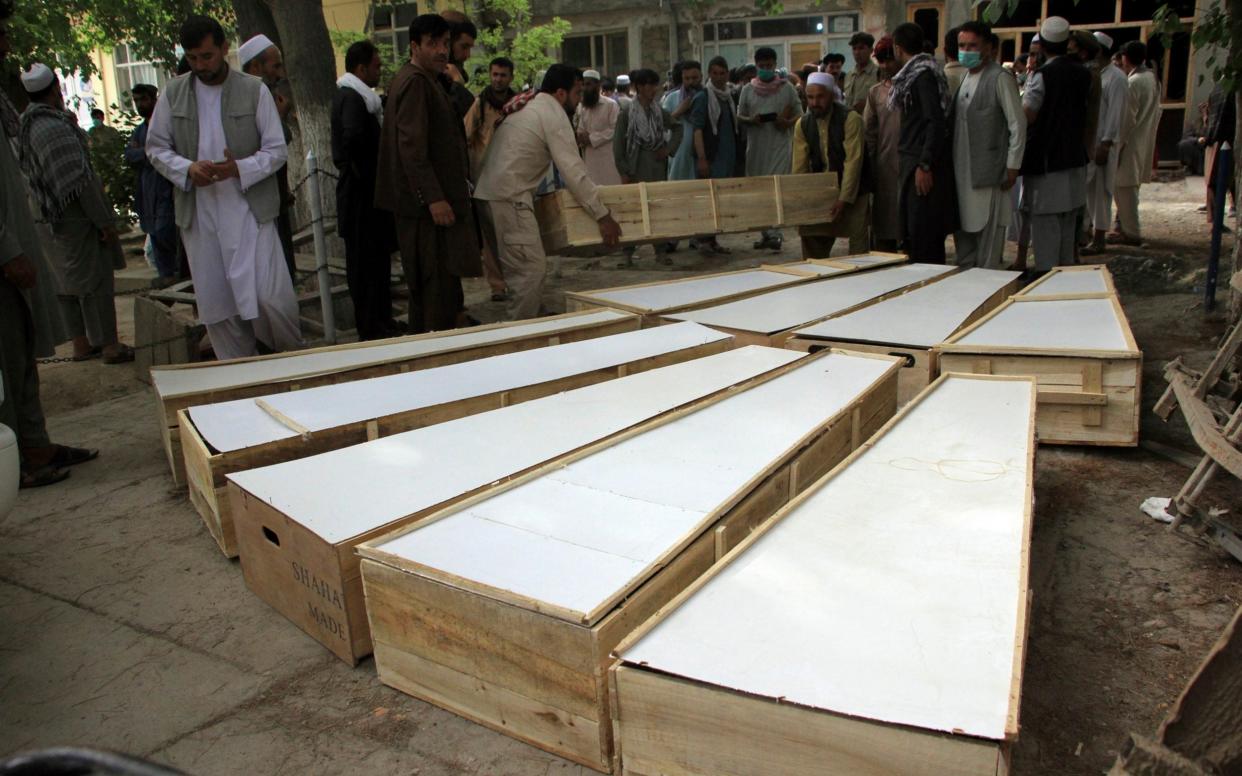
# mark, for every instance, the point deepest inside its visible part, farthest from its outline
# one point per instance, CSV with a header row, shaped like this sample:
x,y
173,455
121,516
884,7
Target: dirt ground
x,y
122,627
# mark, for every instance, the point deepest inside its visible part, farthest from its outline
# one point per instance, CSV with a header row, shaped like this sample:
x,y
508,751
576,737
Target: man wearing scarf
x,y
369,236
55,155
882,131
29,325
714,122
829,138
768,109
928,201
641,144
480,126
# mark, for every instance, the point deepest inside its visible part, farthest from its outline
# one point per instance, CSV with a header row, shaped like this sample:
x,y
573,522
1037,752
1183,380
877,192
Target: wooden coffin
x,y
1066,282
1080,350
770,318
910,325
504,609
675,210
218,439
298,522
652,300
876,625
186,385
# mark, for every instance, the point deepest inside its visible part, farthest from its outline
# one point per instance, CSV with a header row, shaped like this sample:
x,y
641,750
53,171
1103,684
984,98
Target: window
x,y
130,70
796,39
390,25
607,52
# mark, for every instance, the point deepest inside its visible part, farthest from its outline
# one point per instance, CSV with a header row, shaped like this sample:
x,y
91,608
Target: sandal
x,y
43,476
88,355
71,456
123,355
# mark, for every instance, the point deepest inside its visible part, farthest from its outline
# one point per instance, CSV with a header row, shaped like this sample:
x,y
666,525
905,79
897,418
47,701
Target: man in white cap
x,y
989,137
55,156
261,58
1054,166
595,122
829,138
1138,140
227,196
1102,173
623,96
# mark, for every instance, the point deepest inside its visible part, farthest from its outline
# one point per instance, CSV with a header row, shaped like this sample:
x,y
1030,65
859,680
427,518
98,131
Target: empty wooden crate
x,y
771,317
504,608
1080,350
186,385
910,325
673,210
876,625
658,298
298,522
218,439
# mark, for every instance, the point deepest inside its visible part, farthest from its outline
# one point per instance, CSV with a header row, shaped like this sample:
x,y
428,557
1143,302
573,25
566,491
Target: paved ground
x,y
121,626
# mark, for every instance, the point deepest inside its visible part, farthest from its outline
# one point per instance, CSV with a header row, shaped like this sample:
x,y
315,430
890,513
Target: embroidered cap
x,y
37,78
1055,29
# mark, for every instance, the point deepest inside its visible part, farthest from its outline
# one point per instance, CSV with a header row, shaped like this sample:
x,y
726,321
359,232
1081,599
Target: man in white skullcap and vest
x,y
829,138
1054,165
1102,172
989,136
260,57
216,135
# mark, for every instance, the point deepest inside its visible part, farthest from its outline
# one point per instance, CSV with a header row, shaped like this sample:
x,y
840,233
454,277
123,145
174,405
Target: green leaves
x,y
506,30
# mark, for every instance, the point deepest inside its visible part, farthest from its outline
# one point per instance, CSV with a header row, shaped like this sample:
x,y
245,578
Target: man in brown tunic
x,y
422,180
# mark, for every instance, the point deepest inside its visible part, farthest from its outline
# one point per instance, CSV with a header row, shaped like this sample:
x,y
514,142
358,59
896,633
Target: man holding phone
x,y
768,109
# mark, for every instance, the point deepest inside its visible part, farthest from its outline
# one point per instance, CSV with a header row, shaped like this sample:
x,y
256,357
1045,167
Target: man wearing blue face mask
x,y
768,109
989,137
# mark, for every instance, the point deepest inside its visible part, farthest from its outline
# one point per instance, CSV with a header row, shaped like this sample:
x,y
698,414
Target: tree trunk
x,y
254,17
1235,44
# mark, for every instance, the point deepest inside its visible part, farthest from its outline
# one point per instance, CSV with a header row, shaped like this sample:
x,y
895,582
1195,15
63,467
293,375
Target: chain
x,y
146,346
306,177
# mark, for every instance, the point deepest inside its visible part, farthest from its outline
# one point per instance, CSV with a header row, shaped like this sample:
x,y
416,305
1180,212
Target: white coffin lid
x,y
893,592
170,383
348,492
1052,324
582,536
921,318
681,293
238,424
1074,281
788,308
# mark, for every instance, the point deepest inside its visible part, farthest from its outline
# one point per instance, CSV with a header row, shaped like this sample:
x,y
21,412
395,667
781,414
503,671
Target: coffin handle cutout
x,y
271,536
907,360
817,348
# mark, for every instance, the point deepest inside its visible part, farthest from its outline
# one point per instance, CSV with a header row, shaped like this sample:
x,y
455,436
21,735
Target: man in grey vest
x,y
216,135
989,137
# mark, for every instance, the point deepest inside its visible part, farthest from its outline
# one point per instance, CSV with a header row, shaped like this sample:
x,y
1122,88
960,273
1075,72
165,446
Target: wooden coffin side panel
x,y
917,364
672,725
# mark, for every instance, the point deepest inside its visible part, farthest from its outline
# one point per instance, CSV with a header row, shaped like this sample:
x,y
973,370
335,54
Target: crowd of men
x,y
1036,151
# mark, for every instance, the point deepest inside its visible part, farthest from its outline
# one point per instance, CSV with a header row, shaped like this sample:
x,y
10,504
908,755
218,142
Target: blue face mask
x,y
970,59
767,75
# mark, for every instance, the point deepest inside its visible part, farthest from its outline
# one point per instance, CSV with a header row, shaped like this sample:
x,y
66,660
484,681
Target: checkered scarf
x,y
54,157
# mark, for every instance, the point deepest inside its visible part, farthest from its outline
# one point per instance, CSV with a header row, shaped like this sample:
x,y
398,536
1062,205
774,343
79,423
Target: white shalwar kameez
x,y
1101,179
241,282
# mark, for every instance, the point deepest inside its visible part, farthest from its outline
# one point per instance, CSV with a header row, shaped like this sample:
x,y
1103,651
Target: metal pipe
x,y
1224,170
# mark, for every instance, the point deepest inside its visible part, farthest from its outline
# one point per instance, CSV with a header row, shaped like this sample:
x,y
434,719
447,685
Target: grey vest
x,y
239,106
987,130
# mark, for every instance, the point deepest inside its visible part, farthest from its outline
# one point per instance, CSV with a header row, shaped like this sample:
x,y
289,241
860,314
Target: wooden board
x,y
670,210
578,553
885,612
668,296
1072,281
770,318
298,522
909,325
1080,350
218,439
179,387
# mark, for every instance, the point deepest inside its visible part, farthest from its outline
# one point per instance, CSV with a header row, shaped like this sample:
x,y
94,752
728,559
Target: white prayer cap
x,y
1036,38
1055,29
591,74
1104,40
37,78
253,48
623,80
822,79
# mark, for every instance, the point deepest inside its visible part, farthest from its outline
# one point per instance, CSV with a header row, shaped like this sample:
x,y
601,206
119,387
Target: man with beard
x,y
882,131
261,58
596,120
423,179
462,34
535,133
153,194
829,138
920,92
480,125
368,232
226,193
